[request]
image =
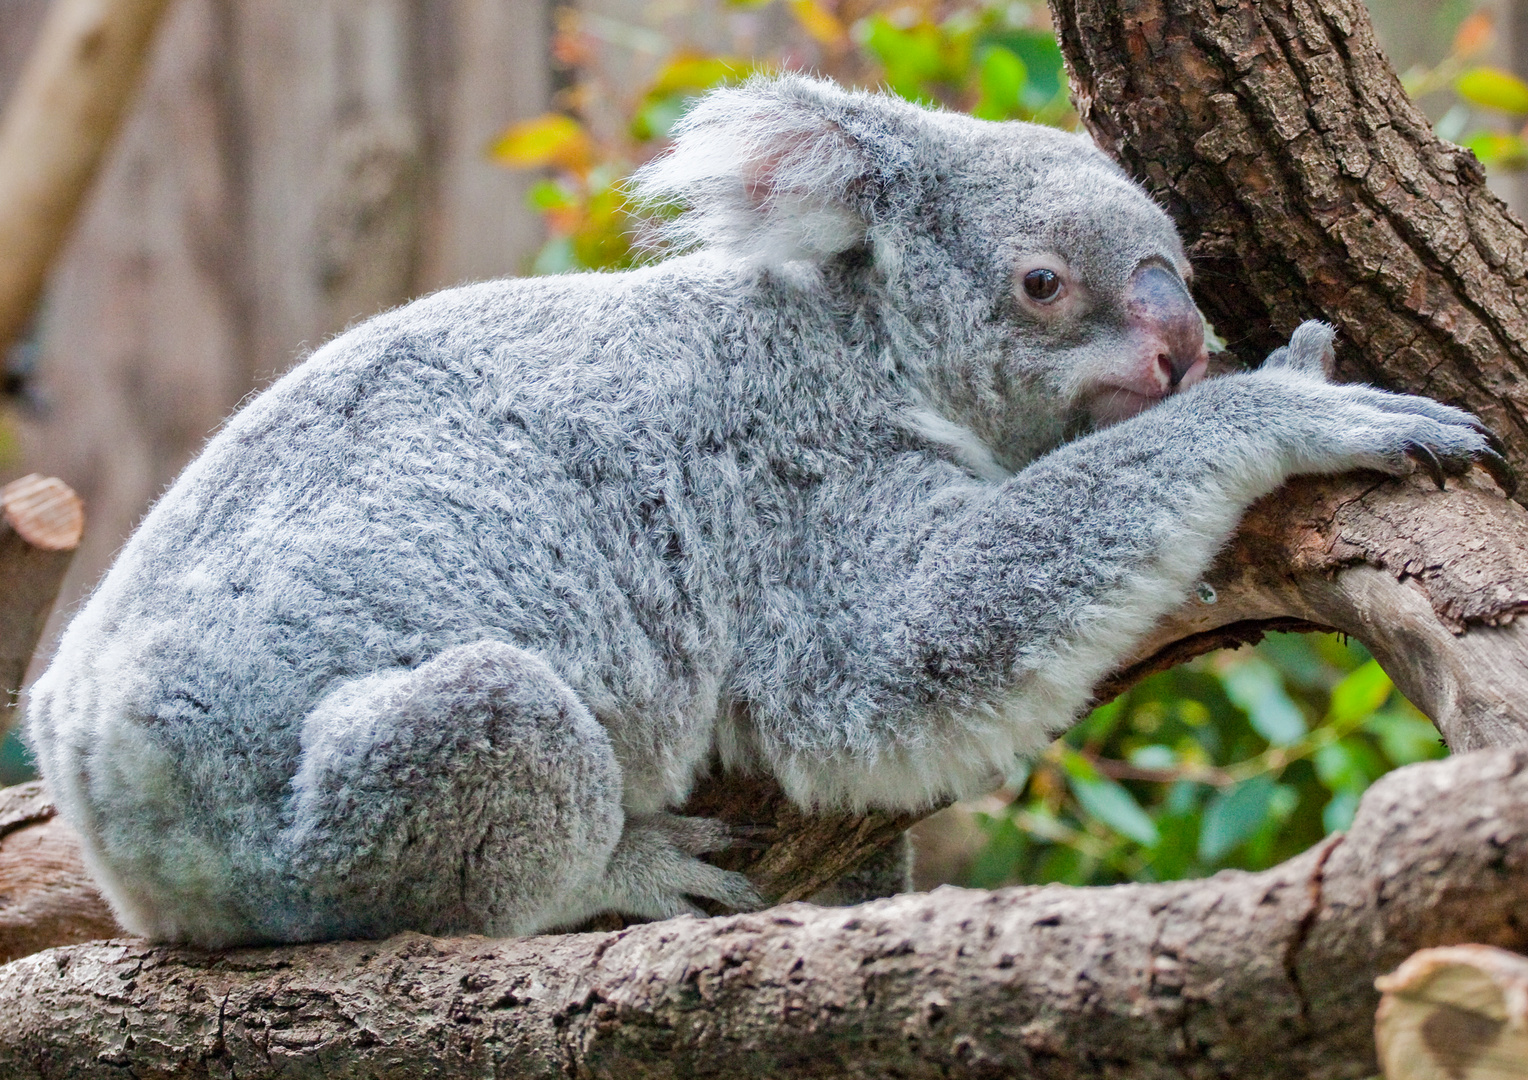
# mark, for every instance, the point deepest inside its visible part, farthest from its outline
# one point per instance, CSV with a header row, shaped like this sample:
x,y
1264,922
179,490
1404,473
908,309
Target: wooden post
x,y
41,520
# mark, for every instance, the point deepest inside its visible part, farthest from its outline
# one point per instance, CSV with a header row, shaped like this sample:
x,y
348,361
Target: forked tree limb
x,y
1431,582
1246,975
54,132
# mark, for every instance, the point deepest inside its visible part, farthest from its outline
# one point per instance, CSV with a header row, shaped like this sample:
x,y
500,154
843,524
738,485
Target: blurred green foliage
x,y
998,61
16,764
1241,759
1488,110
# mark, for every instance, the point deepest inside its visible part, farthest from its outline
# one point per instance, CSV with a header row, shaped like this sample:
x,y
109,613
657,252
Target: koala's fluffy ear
x,y
786,167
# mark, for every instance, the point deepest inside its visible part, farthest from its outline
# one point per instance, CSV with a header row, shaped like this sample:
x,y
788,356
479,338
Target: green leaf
x,y
1154,756
1004,850
1002,79
1254,685
1359,695
1110,803
1045,74
1498,149
549,139
656,117
817,21
550,195
693,74
1405,737
1233,815
911,57
1078,767
1493,88
1174,853
555,256
1183,796
1339,810
1348,765
1100,722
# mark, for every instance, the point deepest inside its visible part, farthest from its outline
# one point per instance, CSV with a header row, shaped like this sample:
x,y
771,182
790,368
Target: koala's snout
x,y
1172,331
1166,349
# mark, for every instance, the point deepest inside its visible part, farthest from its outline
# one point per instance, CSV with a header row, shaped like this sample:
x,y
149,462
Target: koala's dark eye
x,y
1042,285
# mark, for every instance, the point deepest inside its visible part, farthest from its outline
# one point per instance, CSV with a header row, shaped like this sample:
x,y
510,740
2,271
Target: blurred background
x,y
291,167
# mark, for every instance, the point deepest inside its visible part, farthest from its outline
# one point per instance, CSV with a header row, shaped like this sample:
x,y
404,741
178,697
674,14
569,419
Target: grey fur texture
x,y
438,630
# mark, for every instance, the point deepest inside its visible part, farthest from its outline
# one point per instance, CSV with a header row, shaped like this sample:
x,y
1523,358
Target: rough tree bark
x,y
1245,975
1306,184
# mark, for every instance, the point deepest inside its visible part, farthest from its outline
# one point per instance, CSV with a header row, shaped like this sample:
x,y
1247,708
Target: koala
x,y
865,490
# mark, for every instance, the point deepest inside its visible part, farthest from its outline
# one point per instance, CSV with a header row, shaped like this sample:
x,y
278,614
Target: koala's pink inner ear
x,y
767,172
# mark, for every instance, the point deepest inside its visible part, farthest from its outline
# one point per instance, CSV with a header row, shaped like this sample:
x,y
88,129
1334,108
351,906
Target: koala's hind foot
x,y
654,870
475,794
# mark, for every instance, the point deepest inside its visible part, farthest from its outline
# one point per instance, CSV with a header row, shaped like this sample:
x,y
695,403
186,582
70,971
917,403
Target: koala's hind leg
x,y
473,794
468,795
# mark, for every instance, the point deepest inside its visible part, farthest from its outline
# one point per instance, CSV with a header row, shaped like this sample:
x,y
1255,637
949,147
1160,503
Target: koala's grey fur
x,y
435,632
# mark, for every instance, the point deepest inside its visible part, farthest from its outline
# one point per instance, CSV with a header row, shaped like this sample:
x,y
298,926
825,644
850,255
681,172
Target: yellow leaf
x,y
1474,35
550,139
1493,88
689,72
1498,149
818,21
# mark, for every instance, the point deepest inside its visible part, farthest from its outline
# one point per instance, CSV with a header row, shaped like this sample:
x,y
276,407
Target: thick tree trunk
x,y
1245,975
1307,185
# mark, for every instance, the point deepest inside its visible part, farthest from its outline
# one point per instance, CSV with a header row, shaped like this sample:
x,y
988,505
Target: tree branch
x,y
1248,975
56,129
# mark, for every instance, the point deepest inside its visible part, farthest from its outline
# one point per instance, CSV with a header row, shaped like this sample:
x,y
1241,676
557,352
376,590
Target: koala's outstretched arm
x,y
984,638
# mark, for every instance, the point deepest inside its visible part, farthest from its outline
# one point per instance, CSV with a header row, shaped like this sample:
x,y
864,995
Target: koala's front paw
x,y
1393,433
1399,433
654,869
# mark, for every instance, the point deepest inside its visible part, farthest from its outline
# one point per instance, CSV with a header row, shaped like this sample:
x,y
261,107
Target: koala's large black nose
x,y
1160,306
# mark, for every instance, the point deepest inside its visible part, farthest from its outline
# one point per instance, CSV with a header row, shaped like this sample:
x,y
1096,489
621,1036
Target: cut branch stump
x,y
1455,1013
41,522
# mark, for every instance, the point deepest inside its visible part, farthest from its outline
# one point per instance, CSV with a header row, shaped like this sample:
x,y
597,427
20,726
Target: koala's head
x,y
1047,276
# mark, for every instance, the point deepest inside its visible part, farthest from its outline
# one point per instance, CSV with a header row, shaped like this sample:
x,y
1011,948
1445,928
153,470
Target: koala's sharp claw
x,y
1499,468
1492,440
1428,461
